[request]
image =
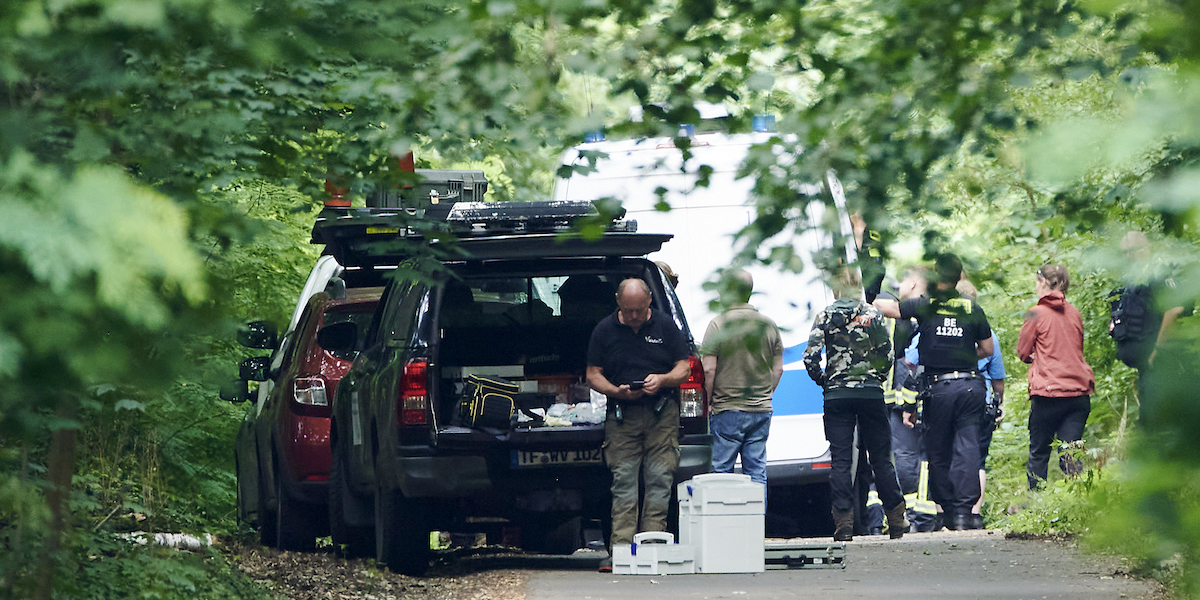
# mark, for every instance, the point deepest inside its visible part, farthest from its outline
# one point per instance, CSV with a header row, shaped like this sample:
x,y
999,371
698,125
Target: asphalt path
x,y
924,566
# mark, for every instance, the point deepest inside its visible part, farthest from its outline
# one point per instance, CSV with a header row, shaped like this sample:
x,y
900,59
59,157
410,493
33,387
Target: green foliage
x,y
114,568
1144,147
1151,516
135,137
21,503
158,162
1062,507
260,256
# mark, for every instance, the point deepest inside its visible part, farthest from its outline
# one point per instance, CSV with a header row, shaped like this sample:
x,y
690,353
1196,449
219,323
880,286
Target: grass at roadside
x,y
1109,507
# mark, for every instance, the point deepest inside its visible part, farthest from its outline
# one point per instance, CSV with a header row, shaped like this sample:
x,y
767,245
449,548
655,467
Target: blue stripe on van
x,y
794,354
797,394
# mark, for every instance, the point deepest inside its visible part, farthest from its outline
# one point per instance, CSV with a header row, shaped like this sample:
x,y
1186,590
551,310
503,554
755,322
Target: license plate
x,y
527,458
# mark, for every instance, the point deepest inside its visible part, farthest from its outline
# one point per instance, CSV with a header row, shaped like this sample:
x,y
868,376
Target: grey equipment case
x,y
806,556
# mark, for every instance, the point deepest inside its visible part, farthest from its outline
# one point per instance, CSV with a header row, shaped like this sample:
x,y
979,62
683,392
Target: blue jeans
x,y
739,432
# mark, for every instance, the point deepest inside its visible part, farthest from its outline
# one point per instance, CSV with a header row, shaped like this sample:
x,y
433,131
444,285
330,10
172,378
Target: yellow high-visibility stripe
x,y
889,393
873,499
923,504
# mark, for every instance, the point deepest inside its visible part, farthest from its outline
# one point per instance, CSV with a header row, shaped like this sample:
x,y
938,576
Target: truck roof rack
x,y
483,218
374,235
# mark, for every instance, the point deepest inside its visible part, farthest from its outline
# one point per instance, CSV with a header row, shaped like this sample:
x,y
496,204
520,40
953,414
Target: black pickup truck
x,y
515,294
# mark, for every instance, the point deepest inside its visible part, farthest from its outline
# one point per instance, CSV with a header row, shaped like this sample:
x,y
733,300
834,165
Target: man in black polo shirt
x,y
634,357
955,334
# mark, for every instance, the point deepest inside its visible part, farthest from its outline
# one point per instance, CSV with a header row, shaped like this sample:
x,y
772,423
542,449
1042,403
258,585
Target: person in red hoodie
x,y
1060,380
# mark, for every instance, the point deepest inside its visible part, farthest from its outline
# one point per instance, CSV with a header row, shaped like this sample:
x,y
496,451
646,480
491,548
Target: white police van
x,y
704,221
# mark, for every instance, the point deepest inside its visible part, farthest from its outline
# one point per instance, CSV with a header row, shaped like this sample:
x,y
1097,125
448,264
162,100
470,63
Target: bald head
x,y
966,289
633,303
743,285
1134,240
1135,244
633,285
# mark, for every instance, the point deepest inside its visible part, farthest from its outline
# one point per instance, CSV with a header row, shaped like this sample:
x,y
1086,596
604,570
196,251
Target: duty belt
x,y
953,375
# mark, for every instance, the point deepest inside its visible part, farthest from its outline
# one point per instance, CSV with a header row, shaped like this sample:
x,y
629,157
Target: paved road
x,y
922,566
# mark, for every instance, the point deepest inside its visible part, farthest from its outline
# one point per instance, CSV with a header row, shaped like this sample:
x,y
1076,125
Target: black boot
x,y
939,521
959,522
976,521
897,523
843,525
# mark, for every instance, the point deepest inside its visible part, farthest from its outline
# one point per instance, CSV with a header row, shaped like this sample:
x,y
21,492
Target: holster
x,y
923,396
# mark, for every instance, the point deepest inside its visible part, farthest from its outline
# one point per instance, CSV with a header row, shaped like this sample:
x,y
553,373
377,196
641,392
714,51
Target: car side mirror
x,y
336,288
236,391
255,368
339,337
261,335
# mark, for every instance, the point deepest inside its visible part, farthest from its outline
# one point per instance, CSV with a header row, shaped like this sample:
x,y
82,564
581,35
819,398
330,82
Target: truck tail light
x,y
339,196
413,408
692,403
408,162
310,391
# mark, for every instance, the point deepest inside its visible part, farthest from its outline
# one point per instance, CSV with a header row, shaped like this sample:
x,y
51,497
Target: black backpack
x,y
1130,322
487,401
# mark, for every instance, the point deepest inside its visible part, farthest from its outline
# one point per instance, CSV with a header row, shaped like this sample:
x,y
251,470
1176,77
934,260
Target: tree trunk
x,y
60,470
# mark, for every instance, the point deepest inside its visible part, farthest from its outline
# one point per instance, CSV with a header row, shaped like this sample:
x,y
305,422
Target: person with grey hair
x,y
742,356
1145,312
1060,380
635,357
1151,307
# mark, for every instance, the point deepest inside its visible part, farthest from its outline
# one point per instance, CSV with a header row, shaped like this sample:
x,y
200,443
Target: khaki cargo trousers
x,y
647,444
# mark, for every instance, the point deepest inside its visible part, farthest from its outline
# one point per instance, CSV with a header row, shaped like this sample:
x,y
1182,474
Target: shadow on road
x,y
473,560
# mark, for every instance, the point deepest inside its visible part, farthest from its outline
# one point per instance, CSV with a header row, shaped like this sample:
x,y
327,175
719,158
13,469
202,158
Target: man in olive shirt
x,y
743,362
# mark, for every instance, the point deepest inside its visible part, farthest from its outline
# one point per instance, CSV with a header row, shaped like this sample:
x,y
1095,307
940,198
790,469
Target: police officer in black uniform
x,y
954,334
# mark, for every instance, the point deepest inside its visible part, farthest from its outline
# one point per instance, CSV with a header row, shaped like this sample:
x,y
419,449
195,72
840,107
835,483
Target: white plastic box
x,y
721,516
653,553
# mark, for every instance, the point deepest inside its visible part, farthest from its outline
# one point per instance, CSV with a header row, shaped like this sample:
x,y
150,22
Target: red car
x,y
282,450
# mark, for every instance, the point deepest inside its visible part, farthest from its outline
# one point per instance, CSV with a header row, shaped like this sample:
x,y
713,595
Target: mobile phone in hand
x,y
636,385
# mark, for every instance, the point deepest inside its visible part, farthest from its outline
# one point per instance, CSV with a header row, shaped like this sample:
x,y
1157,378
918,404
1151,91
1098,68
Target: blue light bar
x,y
763,123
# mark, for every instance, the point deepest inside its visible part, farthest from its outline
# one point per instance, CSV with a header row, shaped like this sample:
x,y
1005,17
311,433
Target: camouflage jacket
x,y
857,346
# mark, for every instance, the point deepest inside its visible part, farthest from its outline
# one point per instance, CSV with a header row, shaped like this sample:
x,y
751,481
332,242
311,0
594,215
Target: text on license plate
x,y
528,458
